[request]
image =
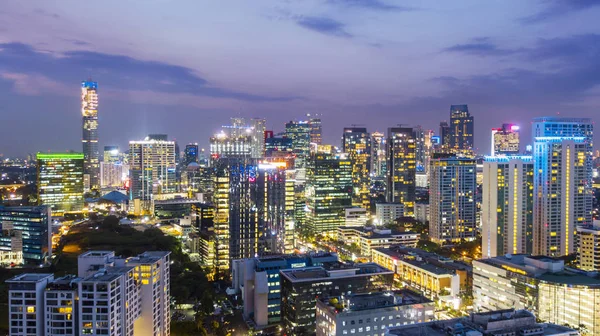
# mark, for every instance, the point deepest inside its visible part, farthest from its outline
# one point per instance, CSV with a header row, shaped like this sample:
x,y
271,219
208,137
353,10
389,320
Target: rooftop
x,y
334,270
30,277
358,302
68,282
148,257
96,254
107,275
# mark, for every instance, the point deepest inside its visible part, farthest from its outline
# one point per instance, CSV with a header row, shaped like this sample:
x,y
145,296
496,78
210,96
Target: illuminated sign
x,y
514,270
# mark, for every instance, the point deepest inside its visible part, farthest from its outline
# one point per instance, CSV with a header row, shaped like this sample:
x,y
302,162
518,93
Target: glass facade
x,y
26,230
356,142
401,168
462,127
89,111
60,181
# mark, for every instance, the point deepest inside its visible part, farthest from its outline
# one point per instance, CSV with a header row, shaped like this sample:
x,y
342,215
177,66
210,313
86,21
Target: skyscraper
x,y
89,111
445,134
356,142
111,154
401,168
300,133
258,137
378,156
452,192
316,133
562,182
152,167
26,234
328,192
507,220
461,129
191,154
60,181
505,140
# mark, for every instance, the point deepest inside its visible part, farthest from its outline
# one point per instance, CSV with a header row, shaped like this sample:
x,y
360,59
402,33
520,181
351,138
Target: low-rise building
x,y
588,247
372,313
368,238
300,289
386,213
495,323
356,216
422,212
541,284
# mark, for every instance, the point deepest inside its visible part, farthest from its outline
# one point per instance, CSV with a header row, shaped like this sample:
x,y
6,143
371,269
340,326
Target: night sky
x,y
184,67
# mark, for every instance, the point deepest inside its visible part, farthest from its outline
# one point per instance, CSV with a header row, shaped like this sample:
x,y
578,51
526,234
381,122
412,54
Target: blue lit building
x,y
191,154
26,234
278,144
258,280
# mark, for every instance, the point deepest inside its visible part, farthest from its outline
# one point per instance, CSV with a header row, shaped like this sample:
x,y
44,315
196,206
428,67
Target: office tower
x,y
60,181
452,193
356,142
191,154
236,214
378,157
401,168
338,315
151,269
275,204
328,192
276,145
507,207
113,174
445,134
387,213
499,322
111,154
89,112
299,132
505,140
461,130
421,152
152,167
301,287
110,302
259,282
226,145
26,234
316,133
541,284
26,303
61,300
588,253
258,137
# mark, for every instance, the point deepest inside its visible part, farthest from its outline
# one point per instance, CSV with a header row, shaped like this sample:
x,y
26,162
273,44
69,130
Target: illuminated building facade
x,y
507,207
89,112
223,145
453,210
588,247
505,140
563,182
445,134
113,174
328,193
300,133
462,127
60,181
26,234
401,168
152,168
60,303
356,142
111,154
275,145
378,157
258,126
26,303
191,154
316,132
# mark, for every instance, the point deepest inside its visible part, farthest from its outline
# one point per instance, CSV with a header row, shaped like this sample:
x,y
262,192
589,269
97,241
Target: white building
x,y
588,254
26,303
113,174
386,213
109,302
422,212
60,303
356,216
90,262
152,167
368,238
152,270
371,314
507,206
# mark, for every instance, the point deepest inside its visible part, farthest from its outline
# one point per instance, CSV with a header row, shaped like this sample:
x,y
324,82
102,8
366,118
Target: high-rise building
x,y
445,134
60,181
61,306
26,304
452,193
275,145
113,174
151,269
387,213
316,133
328,192
356,142
588,247
507,208
505,140
191,154
378,156
301,287
300,133
562,189
89,112
461,129
26,234
422,147
152,167
111,154
258,137
236,213
223,145
401,168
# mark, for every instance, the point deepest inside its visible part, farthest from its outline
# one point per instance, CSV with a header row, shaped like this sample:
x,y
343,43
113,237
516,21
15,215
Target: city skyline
x,y
507,70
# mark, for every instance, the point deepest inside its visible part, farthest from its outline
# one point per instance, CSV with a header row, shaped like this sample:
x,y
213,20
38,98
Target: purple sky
x,y
183,68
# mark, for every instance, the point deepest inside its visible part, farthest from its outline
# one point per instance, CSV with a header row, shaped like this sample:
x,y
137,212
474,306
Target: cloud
x,y
372,4
480,47
77,42
557,8
34,84
45,13
115,72
323,25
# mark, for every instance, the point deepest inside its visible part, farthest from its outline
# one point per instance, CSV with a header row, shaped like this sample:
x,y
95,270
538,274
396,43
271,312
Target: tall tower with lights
x,y
89,112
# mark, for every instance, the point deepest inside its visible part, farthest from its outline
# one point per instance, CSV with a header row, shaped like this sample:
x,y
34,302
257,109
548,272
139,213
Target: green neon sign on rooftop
x,y
49,156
